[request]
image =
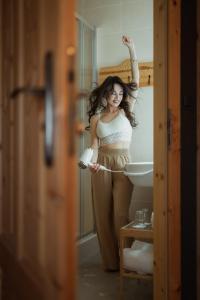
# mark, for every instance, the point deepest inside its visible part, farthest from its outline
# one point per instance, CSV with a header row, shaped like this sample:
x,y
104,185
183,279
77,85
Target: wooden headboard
x,y
123,70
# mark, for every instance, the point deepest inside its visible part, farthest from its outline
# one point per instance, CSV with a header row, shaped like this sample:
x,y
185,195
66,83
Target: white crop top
x,y
119,129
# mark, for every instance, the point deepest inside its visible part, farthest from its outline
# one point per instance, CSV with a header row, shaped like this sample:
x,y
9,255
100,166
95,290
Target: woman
x,y
111,120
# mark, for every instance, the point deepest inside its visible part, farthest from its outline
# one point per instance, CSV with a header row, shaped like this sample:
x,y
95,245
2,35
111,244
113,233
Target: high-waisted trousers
x,y
111,193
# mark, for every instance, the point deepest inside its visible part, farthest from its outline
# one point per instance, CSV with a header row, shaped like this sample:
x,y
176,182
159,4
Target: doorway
x,y
166,157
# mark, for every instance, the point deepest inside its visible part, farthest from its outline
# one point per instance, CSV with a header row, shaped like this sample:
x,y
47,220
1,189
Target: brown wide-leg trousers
x,y
111,199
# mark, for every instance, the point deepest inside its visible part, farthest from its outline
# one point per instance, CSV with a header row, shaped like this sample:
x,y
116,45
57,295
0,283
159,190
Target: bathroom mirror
x,y
100,26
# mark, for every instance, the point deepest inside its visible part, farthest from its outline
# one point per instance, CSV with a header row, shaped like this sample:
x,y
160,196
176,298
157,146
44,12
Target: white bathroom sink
x,y
140,173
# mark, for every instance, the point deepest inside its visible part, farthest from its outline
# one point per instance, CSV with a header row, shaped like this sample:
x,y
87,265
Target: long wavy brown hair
x,y
104,90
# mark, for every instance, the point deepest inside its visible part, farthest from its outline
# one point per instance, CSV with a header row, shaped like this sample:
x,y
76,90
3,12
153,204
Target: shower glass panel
x,y
86,67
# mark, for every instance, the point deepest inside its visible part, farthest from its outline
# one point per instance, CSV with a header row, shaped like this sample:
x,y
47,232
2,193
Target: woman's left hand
x,y
94,168
127,41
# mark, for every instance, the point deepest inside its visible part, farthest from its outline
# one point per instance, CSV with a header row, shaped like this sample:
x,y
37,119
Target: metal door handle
x,y
47,93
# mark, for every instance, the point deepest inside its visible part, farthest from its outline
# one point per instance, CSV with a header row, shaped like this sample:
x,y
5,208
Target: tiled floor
x,y
95,284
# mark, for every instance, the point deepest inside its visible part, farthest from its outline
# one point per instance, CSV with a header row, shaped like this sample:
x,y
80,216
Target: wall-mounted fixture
x,y
123,70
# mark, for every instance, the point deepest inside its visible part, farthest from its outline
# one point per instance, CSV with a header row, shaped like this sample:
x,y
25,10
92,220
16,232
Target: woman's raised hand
x,y
127,41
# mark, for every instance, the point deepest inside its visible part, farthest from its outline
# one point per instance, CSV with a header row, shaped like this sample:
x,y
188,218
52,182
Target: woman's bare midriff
x,y
121,145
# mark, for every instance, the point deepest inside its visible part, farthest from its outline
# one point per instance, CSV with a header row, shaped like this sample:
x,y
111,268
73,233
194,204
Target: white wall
x,y
114,18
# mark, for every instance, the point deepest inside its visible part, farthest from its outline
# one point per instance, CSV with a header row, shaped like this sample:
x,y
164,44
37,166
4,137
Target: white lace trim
x,y
116,137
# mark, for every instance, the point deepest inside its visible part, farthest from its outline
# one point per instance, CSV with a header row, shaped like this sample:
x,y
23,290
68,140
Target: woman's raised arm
x,y
134,67
133,59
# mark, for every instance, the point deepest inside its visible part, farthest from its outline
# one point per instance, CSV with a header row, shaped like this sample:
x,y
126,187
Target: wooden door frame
x,y
167,225
198,152
160,153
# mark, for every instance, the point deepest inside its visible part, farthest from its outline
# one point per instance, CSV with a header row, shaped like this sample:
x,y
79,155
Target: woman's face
x,y
115,96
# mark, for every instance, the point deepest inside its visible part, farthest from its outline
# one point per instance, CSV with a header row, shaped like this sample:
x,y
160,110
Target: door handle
x,y
46,92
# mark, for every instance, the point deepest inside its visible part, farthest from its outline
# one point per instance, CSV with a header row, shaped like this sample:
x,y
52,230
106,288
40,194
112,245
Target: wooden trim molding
x,y
123,70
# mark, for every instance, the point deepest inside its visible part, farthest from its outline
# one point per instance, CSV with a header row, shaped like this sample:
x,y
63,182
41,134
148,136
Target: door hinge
x,y
169,127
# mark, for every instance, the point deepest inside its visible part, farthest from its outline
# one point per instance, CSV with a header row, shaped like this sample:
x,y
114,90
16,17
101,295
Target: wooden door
x,y
37,245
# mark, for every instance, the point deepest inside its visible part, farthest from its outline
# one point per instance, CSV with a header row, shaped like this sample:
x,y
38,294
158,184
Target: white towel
x,y
139,257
